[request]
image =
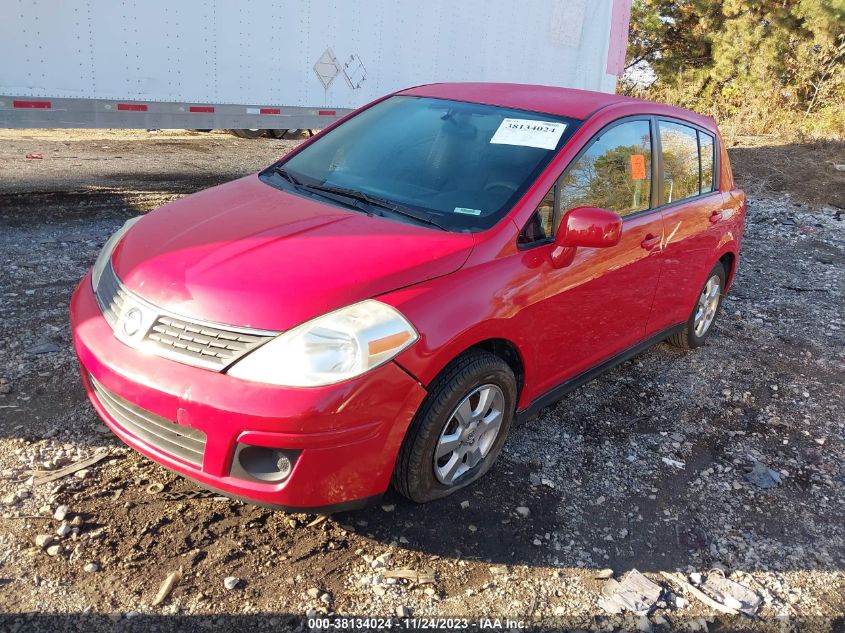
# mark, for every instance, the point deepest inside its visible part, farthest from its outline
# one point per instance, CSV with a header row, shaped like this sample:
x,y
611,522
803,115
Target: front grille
x,y
207,345
181,441
110,295
210,345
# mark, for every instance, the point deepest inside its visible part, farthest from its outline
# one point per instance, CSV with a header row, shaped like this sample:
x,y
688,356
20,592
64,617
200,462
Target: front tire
x,y
704,313
459,430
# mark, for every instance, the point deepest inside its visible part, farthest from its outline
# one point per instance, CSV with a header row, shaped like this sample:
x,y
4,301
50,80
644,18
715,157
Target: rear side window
x,y
706,146
679,144
614,173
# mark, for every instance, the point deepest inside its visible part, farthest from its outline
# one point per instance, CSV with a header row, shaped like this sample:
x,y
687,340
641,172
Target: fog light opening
x,y
261,463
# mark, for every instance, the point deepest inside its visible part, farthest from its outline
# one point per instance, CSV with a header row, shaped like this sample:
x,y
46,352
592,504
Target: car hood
x,y
248,254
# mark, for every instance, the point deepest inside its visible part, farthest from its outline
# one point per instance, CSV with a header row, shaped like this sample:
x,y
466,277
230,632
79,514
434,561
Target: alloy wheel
x,y
469,434
708,303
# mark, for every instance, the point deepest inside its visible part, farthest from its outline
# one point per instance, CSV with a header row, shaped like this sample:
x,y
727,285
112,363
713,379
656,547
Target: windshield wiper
x,y
284,173
381,202
355,195
367,199
321,190
419,217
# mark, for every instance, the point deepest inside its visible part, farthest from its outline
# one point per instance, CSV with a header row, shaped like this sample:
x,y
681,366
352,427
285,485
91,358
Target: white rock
x,y
54,550
464,505
695,578
523,511
43,540
313,592
403,612
61,513
230,582
90,568
64,529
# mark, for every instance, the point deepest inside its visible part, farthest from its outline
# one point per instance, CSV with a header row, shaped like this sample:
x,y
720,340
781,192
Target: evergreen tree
x,y
769,61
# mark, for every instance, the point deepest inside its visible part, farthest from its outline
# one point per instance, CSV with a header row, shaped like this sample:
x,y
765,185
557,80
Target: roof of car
x,y
568,102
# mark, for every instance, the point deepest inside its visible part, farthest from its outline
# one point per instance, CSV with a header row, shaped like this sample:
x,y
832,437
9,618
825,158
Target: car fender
x,y
467,308
727,246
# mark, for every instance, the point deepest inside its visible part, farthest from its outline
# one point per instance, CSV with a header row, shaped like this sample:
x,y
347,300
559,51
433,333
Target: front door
x,y
598,305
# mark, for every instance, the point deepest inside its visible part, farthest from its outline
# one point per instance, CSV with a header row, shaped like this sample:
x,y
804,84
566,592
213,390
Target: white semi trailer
x,y
294,64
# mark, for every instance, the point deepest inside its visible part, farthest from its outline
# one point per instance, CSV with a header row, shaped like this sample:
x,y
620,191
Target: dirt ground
x,y
644,468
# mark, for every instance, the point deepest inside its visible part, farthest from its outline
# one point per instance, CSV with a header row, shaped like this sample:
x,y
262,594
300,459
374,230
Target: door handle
x,y
650,242
715,216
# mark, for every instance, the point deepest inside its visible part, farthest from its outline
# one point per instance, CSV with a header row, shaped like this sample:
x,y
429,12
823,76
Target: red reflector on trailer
x,y
327,112
270,111
41,105
132,107
201,109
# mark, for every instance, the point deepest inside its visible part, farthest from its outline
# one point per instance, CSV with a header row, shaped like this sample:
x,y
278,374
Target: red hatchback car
x,y
381,303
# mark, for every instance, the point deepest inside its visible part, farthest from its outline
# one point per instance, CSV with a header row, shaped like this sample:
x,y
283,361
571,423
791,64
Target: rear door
x,y
692,207
599,304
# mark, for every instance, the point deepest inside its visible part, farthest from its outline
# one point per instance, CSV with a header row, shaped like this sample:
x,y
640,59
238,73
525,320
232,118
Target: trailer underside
x,y
47,112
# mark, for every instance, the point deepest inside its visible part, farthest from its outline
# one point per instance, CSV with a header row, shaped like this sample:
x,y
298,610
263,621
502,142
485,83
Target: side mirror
x,y
589,227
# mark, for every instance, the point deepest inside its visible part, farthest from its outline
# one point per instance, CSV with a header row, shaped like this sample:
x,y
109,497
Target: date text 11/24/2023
x,y
415,624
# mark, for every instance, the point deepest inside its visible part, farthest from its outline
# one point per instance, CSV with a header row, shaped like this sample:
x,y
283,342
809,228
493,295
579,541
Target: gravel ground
x,y
646,468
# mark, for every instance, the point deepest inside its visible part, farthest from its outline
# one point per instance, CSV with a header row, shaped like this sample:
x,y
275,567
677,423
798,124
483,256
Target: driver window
x,y
614,173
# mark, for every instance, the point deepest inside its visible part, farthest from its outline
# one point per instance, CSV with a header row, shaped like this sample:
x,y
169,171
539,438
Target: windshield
x,y
459,166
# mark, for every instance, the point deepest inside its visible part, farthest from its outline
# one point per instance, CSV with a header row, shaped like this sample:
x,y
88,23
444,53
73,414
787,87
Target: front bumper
x,y
348,434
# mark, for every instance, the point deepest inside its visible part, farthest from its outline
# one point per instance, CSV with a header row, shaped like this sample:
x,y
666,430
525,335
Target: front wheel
x,y
704,314
459,429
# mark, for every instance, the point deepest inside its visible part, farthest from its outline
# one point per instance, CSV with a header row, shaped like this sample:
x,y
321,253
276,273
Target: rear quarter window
x,y
706,146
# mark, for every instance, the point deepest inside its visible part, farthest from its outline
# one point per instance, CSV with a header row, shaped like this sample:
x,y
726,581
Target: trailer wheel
x,y
277,133
249,133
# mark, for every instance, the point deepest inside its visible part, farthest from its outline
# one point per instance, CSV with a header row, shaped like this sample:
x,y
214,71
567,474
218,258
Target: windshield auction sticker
x,y
529,133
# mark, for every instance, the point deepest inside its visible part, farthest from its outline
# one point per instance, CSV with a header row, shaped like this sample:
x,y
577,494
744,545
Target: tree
x,y
742,58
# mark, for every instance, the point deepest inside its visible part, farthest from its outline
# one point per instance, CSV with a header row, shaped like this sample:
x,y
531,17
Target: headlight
x,y
331,348
108,247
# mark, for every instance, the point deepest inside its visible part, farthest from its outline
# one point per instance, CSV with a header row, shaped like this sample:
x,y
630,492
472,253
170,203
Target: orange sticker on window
x,y
637,166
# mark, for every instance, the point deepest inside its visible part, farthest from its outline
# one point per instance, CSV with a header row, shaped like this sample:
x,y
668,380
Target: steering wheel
x,y
500,184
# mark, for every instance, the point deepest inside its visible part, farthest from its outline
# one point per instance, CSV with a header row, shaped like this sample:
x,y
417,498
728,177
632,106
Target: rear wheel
x,y
704,314
459,429
249,133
